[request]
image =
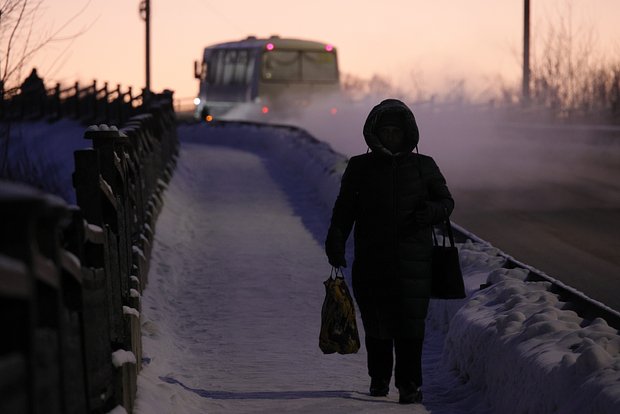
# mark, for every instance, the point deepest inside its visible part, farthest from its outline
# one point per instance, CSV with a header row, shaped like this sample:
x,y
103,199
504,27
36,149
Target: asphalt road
x,y
552,203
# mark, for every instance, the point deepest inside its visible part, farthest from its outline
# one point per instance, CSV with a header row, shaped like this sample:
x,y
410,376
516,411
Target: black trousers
x,y
408,369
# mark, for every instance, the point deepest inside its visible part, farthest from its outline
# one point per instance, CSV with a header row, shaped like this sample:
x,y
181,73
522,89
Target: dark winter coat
x,y
380,193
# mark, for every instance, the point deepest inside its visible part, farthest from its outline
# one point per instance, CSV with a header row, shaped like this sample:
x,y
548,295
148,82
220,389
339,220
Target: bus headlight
x,y
196,101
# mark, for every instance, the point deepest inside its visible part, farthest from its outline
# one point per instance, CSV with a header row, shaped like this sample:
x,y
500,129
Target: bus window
x,y
319,66
240,67
218,59
249,74
212,69
229,67
281,65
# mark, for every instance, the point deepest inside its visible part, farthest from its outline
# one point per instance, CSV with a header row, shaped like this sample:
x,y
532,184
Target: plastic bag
x,y
338,326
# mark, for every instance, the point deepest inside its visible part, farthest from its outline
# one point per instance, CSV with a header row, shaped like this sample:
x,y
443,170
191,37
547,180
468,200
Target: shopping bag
x,y
447,276
338,326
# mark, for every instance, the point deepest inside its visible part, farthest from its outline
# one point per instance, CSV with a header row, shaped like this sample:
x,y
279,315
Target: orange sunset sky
x,y
434,42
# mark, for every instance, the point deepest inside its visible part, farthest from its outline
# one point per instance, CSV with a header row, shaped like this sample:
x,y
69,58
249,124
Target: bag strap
x,y
447,223
334,273
450,234
447,229
435,242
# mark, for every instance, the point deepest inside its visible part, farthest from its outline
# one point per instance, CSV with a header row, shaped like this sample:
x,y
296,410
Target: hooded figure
x,y
393,196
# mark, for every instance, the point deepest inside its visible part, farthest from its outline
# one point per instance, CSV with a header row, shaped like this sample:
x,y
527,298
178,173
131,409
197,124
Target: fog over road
x,y
549,196
558,212
578,246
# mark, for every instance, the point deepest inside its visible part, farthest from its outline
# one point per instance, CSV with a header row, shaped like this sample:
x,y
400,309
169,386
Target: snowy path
x,y
231,315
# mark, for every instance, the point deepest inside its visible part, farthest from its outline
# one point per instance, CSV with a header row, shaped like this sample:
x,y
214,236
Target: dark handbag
x,y
447,276
338,325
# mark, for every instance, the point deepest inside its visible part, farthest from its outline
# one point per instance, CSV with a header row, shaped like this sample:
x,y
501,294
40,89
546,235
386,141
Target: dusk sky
x,y
434,42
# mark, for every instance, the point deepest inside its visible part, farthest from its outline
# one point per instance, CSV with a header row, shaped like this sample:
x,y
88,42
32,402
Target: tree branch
x,y
8,50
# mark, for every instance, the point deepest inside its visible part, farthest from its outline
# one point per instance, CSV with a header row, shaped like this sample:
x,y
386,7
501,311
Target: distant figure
x,y
33,93
393,196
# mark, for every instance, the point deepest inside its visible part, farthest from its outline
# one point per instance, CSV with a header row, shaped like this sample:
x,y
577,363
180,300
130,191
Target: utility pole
x,y
526,52
145,13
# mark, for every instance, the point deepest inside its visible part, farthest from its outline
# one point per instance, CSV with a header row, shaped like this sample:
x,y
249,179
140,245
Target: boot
x,y
379,387
410,395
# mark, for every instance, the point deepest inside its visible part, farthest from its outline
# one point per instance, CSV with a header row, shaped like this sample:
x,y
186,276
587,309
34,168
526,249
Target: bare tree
x,y
357,88
22,37
570,79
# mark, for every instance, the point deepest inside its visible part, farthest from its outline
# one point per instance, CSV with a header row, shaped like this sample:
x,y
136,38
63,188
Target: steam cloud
x,y
481,152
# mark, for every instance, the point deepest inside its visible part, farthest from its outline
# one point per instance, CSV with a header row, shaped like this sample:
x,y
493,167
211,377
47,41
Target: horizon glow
x,y
429,45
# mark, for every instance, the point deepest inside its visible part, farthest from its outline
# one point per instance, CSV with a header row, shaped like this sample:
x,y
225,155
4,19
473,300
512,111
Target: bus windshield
x,y
319,66
292,65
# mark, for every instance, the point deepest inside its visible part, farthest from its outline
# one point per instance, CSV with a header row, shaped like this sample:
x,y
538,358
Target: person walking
x,y
393,196
32,93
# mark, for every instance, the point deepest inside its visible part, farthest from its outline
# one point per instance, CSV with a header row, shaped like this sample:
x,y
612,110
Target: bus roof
x,y
252,42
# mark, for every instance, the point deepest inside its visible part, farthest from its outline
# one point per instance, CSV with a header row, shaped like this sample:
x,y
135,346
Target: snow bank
x,y
520,345
41,154
515,343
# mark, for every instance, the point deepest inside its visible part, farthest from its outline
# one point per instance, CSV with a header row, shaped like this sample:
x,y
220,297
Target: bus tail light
x,y
265,110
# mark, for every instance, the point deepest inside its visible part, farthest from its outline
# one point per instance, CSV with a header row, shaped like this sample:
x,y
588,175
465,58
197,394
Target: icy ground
x,y
232,311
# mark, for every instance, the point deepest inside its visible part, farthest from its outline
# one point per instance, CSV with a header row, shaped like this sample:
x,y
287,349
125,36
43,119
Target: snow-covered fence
x,y
92,103
70,278
118,188
41,303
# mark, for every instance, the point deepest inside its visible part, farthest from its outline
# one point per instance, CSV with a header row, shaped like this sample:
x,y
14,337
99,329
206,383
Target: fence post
x,y
110,146
101,296
32,235
56,100
92,101
18,304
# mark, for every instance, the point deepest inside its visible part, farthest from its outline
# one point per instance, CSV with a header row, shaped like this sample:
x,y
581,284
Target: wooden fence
x,y
71,277
91,104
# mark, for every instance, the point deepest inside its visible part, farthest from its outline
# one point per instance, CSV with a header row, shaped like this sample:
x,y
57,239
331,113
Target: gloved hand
x,y
423,215
335,247
336,259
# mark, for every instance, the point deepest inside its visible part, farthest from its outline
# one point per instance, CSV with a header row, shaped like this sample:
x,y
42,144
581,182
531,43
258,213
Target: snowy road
x,y
231,315
232,312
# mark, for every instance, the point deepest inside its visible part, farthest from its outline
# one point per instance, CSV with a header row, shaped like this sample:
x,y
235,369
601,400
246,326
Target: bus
x,y
268,76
